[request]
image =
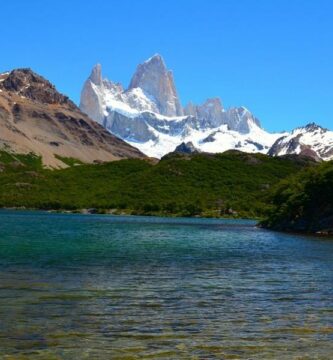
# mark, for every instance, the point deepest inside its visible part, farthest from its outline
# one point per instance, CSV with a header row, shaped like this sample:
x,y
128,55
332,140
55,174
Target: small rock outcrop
x,y
186,148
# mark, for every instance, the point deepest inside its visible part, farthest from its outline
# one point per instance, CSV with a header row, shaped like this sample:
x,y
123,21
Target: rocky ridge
x,y
311,140
35,117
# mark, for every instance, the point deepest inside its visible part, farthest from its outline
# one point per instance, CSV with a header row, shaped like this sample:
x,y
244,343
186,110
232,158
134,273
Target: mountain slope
x,y
148,115
311,140
35,117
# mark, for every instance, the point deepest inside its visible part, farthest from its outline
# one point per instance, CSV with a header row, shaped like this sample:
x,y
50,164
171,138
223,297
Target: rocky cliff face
x,y
91,102
240,119
153,78
35,117
210,113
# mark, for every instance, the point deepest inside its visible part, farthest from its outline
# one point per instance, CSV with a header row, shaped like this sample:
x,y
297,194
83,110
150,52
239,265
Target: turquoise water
x,y
104,287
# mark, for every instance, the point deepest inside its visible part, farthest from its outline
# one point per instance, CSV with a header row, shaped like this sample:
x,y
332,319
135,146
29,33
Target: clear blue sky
x,y
274,57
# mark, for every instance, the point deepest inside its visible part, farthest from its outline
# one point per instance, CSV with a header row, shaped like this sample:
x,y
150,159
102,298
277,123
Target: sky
x,y
274,57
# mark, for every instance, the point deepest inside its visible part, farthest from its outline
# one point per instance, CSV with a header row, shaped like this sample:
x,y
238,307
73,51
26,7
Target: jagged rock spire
x,y
90,103
96,75
157,82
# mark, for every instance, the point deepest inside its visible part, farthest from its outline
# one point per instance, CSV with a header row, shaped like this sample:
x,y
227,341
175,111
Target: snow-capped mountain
x,y
311,140
148,115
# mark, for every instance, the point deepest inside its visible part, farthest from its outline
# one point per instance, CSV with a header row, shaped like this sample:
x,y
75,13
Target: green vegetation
x,y
68,160
228,184
304,202
12,162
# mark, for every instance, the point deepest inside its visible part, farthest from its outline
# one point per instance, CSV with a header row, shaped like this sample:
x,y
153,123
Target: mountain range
x,y
149,116
146,119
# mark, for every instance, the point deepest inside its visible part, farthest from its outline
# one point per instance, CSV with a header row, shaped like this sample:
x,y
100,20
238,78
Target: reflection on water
x,y
102,287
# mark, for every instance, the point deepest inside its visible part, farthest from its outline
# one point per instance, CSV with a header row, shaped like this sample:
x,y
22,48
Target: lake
x,y
108,287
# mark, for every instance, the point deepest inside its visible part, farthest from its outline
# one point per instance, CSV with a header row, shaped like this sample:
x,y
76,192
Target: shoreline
x,y
320,233
125,212
323,234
